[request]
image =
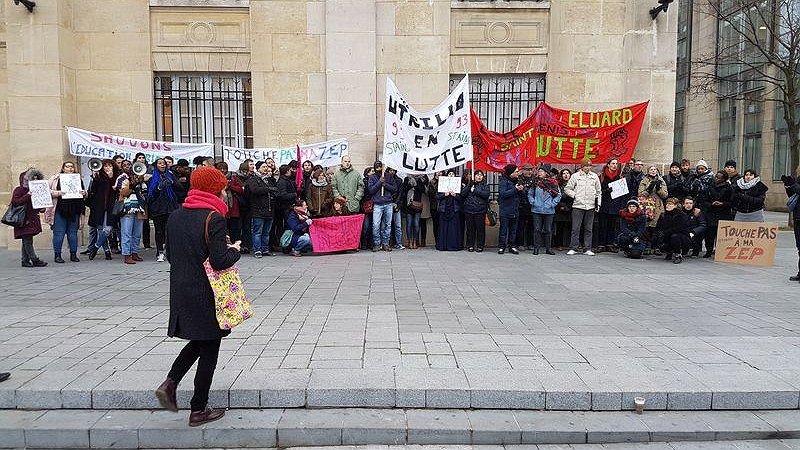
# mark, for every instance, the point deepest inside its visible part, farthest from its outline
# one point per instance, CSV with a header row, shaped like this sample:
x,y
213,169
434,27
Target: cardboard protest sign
x,y
105,146
449,184
619,188
40,194
425,142
325,154
336,234
748,243
70,185
560,136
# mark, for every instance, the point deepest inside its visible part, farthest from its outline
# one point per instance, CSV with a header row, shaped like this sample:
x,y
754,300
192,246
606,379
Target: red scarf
x,y
550,185
302,214
628,216
609,175
198,199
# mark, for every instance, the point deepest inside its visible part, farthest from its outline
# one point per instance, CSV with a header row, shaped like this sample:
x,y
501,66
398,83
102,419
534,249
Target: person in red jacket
x,y
32,225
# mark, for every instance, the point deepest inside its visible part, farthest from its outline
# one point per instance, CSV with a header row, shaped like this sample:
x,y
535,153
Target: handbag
x,y
230,299
286,238
118,210
368,206
15,216
791,203
491,217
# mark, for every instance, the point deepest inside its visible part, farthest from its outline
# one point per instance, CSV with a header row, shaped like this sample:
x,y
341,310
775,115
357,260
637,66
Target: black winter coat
x,y
749,200
610,205
191,301
477,201
673,222
791,190
287,192
508,197
261,194
676,186
714,213
100,200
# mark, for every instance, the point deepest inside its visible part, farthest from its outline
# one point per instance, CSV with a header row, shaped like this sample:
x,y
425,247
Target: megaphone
x,y
95,164
139,168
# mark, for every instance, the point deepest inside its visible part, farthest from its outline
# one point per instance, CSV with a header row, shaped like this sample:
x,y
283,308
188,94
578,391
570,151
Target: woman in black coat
x,y
673,232
449,236
749,194
717,207
192,314
101,200
476,201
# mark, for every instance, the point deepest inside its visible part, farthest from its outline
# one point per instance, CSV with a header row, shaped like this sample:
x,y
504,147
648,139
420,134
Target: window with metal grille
x,y
503,102
215,108
751,152
683,73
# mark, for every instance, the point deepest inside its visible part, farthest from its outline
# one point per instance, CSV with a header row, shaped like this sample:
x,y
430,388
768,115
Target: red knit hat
x,y
208,179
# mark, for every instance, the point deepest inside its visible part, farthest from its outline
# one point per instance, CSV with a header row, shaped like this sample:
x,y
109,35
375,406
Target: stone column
x,y
350,80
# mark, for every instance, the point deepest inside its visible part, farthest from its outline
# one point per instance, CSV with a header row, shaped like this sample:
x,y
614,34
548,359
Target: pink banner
x,y
336,234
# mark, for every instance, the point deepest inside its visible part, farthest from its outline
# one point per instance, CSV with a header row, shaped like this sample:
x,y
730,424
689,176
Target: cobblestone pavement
x,y
420,308
785,444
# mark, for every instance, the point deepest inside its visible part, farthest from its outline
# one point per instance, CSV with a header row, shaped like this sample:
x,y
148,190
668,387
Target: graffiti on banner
x,y
336,234
425,142
90,144
325,154
560,136
748,243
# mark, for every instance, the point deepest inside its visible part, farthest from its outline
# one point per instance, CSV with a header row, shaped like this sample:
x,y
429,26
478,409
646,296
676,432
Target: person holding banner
x,y
101,200
748,198
64,217
450,237
792,187
298,222
261,190
508,199
161,201
381,188
347,183
585,189
476,201
396,233
32,225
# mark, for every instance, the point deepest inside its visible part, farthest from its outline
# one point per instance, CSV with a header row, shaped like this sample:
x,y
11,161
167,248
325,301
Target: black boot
x,y
93,252
58,259
39,263
73,257
108,256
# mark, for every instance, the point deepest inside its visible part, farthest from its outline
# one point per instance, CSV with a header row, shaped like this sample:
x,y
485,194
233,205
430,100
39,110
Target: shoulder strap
x,y
208,220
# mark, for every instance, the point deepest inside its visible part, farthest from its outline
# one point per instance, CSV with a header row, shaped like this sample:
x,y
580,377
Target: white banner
x,y
325,154
105,146
420,143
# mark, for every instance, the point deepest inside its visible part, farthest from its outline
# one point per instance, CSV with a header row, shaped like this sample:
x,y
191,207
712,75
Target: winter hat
x,y
673,200
702,162
730,163
182,163
586,162
634,202
509,169
259,164
545,166
208,179
675,164
377,165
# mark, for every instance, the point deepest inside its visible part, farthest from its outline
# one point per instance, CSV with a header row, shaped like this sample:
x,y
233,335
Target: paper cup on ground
x,y
639,402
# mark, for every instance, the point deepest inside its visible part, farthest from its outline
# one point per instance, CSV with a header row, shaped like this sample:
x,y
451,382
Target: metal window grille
x,y
727,130
503,102
751,153
215,108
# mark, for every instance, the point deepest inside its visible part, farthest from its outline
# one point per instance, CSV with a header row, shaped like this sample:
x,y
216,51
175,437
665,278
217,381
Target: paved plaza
x,y
570,323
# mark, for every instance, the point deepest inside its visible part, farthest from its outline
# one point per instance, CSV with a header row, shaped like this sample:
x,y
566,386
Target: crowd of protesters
x,y
540,209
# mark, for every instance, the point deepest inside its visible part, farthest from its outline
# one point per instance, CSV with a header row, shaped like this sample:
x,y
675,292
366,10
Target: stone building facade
x,y
309,70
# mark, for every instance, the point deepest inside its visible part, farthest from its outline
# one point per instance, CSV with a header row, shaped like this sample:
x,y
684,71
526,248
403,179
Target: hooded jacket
x,y
542,200
319,199
349,184
382,196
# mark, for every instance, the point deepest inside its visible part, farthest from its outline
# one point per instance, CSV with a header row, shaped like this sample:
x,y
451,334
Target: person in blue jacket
x,y
543,195
298,221
382,189
508,200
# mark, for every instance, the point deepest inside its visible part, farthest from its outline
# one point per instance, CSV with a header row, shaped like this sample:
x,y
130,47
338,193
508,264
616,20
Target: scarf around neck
x,y
301,214
745,186
198,199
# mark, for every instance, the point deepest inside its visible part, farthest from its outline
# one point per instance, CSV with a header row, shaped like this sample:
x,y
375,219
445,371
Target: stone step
x,y
252,428
413,388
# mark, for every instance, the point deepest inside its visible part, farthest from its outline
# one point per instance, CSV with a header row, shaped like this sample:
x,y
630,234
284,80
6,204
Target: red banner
x,y
336,234
560,136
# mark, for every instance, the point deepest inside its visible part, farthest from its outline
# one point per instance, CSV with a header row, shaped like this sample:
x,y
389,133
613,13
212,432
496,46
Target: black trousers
x,y
160,224
476,230
206,354
146,233
607,225
246,225
676,243
524,229
710,237
797,241
423,229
